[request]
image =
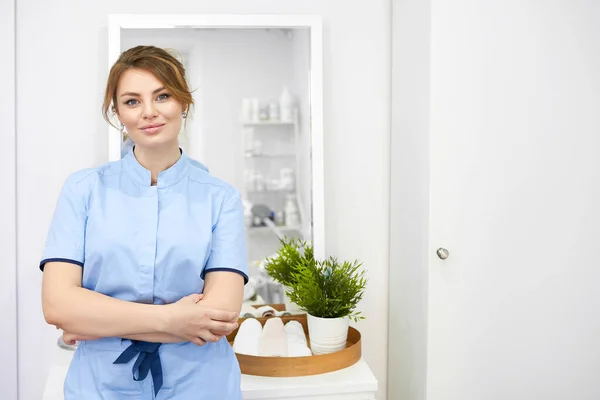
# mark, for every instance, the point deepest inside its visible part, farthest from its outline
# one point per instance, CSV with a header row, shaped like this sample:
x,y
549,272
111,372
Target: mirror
x,y
257,120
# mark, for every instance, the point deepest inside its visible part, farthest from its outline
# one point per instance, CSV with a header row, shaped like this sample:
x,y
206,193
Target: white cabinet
x,y
354,383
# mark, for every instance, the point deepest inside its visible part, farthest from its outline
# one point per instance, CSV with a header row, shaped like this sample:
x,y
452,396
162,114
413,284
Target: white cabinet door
x,y
514,311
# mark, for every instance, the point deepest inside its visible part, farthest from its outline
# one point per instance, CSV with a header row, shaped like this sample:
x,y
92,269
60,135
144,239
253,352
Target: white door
x,y
514,311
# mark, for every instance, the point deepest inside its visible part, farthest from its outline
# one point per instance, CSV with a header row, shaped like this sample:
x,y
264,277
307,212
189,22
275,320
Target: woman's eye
x,y
163,97
131,102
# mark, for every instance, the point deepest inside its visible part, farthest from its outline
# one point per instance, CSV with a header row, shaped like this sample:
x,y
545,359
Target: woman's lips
x,y
153,129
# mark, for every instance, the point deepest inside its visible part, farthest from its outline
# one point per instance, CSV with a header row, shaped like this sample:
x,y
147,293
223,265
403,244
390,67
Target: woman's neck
x,y
157,160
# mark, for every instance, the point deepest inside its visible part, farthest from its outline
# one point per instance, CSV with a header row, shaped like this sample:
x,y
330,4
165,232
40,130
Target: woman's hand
x,y
197,323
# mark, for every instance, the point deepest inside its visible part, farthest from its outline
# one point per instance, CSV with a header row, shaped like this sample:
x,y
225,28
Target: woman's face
x,y
151,115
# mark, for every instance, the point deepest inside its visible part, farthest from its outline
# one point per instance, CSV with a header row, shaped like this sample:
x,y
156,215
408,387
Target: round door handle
x,y
442,253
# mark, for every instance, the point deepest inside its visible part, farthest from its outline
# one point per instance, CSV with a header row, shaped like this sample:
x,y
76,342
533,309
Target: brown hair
x,y
165,67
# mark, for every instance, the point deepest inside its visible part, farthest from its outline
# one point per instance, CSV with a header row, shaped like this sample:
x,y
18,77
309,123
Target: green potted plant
x,y
282,267
329,291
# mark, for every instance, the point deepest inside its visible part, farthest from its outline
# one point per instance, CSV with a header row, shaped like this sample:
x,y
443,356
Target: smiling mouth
x,y
153,129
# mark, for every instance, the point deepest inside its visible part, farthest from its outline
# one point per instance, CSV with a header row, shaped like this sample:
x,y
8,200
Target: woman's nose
x,y
149,111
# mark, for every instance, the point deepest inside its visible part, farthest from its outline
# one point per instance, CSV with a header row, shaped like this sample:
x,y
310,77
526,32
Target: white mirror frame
x,y
117,22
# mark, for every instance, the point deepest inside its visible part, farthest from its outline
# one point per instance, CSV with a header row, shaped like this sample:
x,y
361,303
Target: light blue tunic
x,y
149,244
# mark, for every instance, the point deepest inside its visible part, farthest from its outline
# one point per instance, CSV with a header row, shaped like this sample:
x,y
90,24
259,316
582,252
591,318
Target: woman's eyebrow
x,y
137,94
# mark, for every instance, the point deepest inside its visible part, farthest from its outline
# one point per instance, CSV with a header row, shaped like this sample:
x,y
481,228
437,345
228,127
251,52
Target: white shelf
x,y
260,229
267,191
269,155
267,123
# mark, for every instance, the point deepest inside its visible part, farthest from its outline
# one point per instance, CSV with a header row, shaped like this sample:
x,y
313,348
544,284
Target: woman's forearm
x,y
89,313
223,290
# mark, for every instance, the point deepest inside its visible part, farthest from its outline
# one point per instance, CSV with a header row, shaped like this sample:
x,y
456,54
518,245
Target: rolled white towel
x,y
247,311
296,349
295,332
283,313
296,338
247,338
273,339
264,311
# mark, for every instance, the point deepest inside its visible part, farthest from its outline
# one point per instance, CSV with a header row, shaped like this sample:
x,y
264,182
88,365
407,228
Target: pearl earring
x,y
184,114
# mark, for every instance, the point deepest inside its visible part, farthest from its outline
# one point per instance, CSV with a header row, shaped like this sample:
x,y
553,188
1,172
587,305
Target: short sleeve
x,y
228,249
65,240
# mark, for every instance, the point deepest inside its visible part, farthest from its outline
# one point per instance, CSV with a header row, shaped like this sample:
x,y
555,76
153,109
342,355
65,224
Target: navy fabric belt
x,y
148,361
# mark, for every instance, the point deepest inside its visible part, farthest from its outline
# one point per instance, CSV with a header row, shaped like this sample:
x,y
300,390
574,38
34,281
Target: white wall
x,y
8,248
62,66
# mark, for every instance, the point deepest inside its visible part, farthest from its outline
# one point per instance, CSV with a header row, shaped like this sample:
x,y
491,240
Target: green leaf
x,y
323,288
283,266
328,288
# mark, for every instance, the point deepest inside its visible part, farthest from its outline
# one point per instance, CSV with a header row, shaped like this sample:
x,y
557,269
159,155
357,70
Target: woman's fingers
x,y
220,315
210,337
198,341
219,326
221,333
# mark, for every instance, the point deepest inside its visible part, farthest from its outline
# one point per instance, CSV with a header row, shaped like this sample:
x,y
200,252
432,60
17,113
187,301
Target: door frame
x,y
8,204
409,200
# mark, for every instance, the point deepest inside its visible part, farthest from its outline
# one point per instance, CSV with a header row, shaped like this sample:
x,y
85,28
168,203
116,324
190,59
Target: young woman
x,y
145,260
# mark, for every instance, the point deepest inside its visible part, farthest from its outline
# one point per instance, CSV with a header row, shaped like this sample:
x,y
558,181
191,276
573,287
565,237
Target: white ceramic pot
x,y
290,306
327,335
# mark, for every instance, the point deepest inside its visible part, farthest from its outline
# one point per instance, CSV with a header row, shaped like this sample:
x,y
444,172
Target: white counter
x,y
354,383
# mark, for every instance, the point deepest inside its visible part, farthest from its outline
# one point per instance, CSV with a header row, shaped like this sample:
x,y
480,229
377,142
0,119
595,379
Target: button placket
x,y
149,245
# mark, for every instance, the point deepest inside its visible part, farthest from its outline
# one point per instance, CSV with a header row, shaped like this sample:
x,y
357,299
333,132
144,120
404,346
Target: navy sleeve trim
x,y
226,270
66,260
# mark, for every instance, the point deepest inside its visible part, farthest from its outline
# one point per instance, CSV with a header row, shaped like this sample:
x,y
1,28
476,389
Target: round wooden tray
x,y
300,366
